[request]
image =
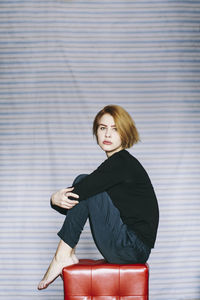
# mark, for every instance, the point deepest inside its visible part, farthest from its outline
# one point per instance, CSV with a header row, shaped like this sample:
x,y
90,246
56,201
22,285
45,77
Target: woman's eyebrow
x,y
102,124
106,125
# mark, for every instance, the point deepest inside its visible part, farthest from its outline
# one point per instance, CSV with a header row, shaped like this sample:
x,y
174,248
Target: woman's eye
x,y
115,129
102,128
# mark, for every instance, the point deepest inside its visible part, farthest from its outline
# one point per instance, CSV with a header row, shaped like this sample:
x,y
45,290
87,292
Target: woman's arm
x,y
110,173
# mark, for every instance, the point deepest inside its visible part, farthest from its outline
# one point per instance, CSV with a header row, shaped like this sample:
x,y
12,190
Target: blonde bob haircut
x,y
124,124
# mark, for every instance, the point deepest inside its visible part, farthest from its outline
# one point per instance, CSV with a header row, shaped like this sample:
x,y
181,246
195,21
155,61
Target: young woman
x,y
118,198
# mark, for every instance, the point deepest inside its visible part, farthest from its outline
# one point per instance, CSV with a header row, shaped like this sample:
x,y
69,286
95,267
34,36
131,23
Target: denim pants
x,y
114,240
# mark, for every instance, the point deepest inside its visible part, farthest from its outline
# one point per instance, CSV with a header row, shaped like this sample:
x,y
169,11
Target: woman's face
x,y
107,135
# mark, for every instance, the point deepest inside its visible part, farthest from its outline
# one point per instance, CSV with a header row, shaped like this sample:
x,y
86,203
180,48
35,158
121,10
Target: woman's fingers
x,y
68,194
69,203
69,189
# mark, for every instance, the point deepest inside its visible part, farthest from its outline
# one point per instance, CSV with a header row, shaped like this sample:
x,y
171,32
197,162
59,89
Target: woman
x,y
118,198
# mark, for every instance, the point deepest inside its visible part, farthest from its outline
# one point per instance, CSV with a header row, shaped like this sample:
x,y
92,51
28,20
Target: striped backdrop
x,y
60,62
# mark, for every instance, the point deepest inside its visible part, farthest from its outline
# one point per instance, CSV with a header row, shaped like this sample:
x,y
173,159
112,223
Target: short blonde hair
x,y
124,124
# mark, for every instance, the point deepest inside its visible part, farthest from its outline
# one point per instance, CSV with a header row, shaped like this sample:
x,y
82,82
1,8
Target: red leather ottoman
x,y
98,280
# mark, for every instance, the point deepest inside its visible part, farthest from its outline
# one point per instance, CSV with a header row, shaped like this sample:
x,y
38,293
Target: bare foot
x,y
55,270
75,258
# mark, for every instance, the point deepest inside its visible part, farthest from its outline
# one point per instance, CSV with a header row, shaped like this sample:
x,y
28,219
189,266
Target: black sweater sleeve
x,y
108,174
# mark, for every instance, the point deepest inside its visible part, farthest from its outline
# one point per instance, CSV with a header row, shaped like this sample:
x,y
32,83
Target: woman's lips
x,y
107,143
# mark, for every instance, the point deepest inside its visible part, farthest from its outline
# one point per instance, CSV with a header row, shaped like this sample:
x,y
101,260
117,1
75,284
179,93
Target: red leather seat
x,y
98,280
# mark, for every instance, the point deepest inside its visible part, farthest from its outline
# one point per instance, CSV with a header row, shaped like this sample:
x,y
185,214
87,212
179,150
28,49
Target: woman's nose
x,y
107,133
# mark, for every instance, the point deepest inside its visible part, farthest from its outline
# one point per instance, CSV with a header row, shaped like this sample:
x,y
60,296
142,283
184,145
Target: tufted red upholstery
x,y
98,280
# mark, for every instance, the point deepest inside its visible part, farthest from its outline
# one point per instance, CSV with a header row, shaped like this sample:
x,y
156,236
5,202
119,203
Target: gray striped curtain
x,y
60,62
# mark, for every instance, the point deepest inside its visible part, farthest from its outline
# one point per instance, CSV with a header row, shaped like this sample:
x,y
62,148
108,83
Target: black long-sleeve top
x,y
128,185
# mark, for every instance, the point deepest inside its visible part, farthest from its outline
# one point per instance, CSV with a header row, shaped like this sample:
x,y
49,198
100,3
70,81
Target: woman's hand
x,y
60,198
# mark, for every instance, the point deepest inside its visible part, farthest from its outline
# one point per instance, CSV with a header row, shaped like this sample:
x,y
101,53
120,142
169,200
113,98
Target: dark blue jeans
x,y
115,241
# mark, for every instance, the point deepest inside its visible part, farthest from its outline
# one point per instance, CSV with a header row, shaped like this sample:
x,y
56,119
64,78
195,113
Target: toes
x,y
42,285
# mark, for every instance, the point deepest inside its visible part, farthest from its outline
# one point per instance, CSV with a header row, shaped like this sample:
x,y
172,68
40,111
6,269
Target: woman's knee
x,y
79,178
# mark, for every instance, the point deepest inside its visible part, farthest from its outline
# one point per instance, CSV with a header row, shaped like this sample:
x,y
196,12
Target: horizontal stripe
x,y
101,11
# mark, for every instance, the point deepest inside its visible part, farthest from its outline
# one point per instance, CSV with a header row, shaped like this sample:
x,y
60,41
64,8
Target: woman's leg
x,y
115,241
64,256
69,234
